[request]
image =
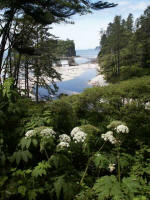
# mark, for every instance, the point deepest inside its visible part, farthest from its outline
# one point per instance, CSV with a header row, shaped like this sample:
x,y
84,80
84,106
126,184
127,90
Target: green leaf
x,y
21,155
108,187
100,161
64,187
25,142
3,180
147,170
130,186
58,185
35,142
32,195
40,169
22,190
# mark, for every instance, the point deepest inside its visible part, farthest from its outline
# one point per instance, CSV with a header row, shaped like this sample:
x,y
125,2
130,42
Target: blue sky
x,y
86,30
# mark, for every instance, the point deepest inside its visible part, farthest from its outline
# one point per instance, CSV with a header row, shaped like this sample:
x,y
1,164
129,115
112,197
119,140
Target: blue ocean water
x,y
79,83
88,53
73,86
86,56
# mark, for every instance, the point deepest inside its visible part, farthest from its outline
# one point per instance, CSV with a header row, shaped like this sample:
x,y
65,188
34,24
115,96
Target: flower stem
x,y
87,166
118,158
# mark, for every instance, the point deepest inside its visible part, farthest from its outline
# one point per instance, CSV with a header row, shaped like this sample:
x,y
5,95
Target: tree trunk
x,y
37,89
17,70
118,62
26,79
5,36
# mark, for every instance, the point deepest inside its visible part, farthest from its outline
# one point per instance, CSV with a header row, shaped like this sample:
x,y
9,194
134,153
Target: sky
x,y
86,30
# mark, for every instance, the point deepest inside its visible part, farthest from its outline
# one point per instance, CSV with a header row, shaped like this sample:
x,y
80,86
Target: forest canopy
x,y
125,47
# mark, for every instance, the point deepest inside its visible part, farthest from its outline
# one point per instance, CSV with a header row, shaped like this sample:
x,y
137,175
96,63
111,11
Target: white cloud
x,y
133,5
124,3
139,6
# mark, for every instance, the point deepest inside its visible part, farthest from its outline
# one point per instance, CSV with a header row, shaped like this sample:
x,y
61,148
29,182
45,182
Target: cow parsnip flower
x,y
78,135
64,138
63,145
122,129
29,134
48,132
112,167
74,131
109,137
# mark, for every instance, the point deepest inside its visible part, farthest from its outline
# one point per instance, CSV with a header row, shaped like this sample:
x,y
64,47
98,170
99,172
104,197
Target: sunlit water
x,y
78,84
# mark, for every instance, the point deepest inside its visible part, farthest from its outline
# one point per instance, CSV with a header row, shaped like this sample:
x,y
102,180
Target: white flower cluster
x,y
29,134
78,135
111,167
64,141
109,137
48,132
122,129
63,145
74,131
64,138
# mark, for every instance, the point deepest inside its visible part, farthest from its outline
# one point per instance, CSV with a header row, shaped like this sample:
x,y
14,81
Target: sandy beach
x,y
71,72
67,73
98,81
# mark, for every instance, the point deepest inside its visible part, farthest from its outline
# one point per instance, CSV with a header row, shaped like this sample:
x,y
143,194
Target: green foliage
x,y
101,161
21,156
130,186
35,168
57,110
124,49
108,187
8,88
40,169
61,185
66,48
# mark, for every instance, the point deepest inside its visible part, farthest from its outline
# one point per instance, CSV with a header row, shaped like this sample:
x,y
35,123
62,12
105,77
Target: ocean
x,y
86,56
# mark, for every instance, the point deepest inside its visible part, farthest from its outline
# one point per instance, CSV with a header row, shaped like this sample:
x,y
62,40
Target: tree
x,y
143,37
129,22
43,12
127,43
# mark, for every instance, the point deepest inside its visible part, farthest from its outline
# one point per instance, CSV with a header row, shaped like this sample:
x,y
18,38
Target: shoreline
x,y
71,72
67,73
98,81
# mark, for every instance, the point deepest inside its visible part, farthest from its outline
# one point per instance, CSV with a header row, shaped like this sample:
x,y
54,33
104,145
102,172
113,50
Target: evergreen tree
x,y
43,12
129,22
125,47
